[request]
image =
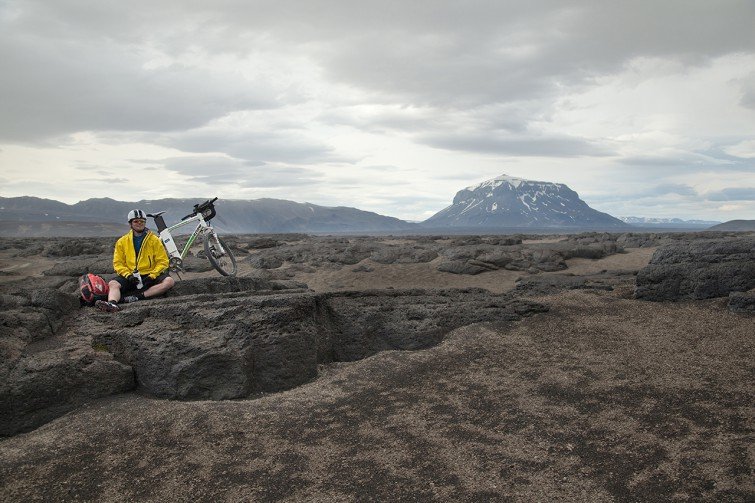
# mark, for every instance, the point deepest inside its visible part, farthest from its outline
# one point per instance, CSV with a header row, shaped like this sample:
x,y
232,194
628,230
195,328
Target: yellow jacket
x,y
153,259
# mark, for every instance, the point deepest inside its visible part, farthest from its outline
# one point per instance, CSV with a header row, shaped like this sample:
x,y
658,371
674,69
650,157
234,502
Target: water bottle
x,y
140,283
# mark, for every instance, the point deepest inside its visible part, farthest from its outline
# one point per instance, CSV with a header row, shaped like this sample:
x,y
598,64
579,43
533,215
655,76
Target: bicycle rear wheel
x,y
223,261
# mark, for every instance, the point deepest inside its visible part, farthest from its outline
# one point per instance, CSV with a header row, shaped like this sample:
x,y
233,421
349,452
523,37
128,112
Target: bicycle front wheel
x,y
219,255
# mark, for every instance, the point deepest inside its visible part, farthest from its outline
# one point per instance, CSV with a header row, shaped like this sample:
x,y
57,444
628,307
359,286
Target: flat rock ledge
x,y
698,270
224,338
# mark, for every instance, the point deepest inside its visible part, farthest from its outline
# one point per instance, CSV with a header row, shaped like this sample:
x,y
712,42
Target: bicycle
x,y
216,251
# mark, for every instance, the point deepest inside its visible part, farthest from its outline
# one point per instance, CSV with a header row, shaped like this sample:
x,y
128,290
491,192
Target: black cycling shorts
x,y
128,287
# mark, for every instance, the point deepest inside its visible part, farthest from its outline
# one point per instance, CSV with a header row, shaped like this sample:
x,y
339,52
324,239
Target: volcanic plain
x,y
590,367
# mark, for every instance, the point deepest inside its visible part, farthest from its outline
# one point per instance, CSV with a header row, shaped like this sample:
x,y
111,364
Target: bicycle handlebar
x,y
201,206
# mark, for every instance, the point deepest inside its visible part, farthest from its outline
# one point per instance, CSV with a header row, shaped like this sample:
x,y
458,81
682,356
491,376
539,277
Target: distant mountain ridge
x,y
234,216
677,223
502,204
511,202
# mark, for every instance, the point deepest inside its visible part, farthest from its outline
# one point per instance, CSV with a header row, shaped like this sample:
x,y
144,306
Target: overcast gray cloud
x,y
55,87
523,146
611,97
221,170
253,147
732,194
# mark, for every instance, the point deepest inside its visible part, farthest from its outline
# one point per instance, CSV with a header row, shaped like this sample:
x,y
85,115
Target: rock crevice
x,y
219,338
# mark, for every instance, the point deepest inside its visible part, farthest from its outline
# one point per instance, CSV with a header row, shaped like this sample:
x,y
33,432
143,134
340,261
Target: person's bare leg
x,y
114,294
159,288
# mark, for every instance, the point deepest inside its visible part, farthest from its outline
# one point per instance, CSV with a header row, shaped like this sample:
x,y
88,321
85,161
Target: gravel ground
x,y
603,398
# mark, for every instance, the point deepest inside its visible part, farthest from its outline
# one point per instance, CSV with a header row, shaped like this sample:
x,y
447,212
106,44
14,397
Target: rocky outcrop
x,y
51,356
555,283
44,374
478,258
233,346
342,251
212,338
698,270
42,386
363,323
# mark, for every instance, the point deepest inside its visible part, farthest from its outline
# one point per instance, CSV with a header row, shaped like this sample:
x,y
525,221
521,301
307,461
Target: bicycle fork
x,y
216,243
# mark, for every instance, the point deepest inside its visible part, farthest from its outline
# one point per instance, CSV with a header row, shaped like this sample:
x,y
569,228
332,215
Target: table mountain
x,y
507,201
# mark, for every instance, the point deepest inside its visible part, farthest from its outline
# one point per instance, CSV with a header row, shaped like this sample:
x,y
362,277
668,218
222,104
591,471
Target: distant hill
x,y
668,223
26,216
59,229
735,225
512,202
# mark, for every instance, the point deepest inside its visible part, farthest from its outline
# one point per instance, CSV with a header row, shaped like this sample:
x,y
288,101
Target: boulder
x,y
192,263
595,250
349,255
698,270
404,254
461,267
265,261
40,387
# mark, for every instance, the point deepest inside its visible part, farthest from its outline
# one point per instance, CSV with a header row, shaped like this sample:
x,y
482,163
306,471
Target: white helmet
x,y
136,214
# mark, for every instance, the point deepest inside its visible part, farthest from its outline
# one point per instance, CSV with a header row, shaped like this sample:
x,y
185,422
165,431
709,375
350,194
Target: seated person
x,y
141,262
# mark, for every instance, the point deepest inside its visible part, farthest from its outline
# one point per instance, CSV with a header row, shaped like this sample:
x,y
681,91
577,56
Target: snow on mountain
x,y
667,222
507,201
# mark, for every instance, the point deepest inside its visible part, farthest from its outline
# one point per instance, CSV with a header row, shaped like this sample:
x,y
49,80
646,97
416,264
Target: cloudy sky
x,y
645,108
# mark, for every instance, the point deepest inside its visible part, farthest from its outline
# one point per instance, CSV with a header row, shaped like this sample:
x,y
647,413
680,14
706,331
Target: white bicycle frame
x,y
176,257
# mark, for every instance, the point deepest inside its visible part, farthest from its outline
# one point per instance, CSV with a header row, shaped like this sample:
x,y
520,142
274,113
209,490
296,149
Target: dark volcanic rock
x,y
236,345
462,267
77,267
368,322
222,285
76,247
48,365
554,283
349,255
222,349
33,315
266,261
210,338
698,270
262,242
192,263
403,254
45,385
742,302
477,258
